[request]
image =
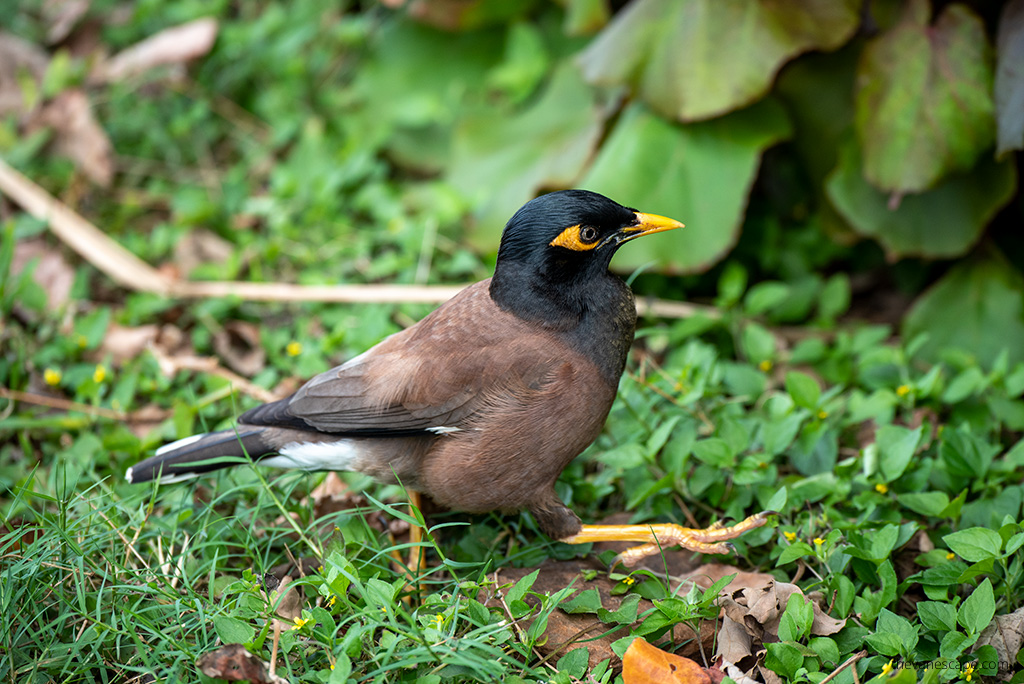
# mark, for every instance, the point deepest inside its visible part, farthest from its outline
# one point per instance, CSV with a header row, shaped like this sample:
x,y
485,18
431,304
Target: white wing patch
x,y
443,430
177,445
339,455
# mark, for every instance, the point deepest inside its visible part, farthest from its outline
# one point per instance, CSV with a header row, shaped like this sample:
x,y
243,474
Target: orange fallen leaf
x,y
646,664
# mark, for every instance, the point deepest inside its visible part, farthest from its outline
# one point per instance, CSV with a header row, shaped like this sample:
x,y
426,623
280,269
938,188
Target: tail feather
x,y
198,454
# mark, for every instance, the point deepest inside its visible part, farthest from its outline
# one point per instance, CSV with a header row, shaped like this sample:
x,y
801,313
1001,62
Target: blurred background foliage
x,y
876,140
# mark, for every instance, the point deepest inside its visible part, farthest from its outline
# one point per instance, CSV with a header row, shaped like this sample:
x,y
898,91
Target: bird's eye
x,y
588,233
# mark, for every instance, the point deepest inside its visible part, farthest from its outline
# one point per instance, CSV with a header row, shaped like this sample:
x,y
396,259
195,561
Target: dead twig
x,y
849,661
62,404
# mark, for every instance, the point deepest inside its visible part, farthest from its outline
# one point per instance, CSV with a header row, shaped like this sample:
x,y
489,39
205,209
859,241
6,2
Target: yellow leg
x,y
713,539
415,537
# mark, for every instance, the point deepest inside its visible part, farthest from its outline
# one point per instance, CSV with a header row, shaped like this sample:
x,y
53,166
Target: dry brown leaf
x,y
168,47
235,664
79,136
123,343
238,343
646,664
19,59
1005,634
53,273
63,16
201,247
757,601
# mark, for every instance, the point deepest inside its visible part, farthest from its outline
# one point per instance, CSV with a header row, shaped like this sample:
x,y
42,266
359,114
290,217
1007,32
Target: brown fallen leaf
x,y
123,343
63,16
201,246
168,47
235,664
646,664
53,273
238,343
78,135
1005,634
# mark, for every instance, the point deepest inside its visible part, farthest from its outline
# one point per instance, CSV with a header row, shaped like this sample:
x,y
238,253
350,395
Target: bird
x,y
483,402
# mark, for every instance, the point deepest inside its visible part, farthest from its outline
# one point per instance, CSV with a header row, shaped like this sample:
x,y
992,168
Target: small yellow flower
x,y
52,377
628,581
790,536
882,488
331,601
765,365
294,348
822,414
950,556
300,623
968,672
818,541
438,621
332,666
886,669
81,341
903,390
384,610
100,374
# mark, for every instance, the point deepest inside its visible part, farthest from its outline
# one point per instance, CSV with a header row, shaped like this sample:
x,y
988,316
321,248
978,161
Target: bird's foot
x,y
713,539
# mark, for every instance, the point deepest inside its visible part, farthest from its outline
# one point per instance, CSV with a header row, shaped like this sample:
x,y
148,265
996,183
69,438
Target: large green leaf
x,y
924,98
978,306
500,160
408,98
1010,78
942,222
697,173
695,59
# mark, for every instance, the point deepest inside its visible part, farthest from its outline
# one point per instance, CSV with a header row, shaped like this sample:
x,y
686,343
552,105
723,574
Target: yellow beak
x,y
647,224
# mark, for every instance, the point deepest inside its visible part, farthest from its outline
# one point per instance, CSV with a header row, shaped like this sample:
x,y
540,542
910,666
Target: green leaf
x,y
974,544
715,452
793,552
661,48
943,222
889,622
977,306
803,388
924,98
953,644
978,609
937,616
886,643
827,650
410,98
925,503
896,446
765,296
700,174
1009,88
796,621
625,614
758,344
518,591
575,662
835,297
233,631
587,601
500,159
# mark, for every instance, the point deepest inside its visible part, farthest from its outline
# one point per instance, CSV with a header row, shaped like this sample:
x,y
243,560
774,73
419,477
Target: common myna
x,y
482,403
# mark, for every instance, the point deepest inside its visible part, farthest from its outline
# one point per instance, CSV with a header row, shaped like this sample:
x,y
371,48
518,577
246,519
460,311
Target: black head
x,y
566,235
560,244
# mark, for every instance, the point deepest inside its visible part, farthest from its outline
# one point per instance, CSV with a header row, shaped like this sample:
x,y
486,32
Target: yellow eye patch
x,y
570,239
